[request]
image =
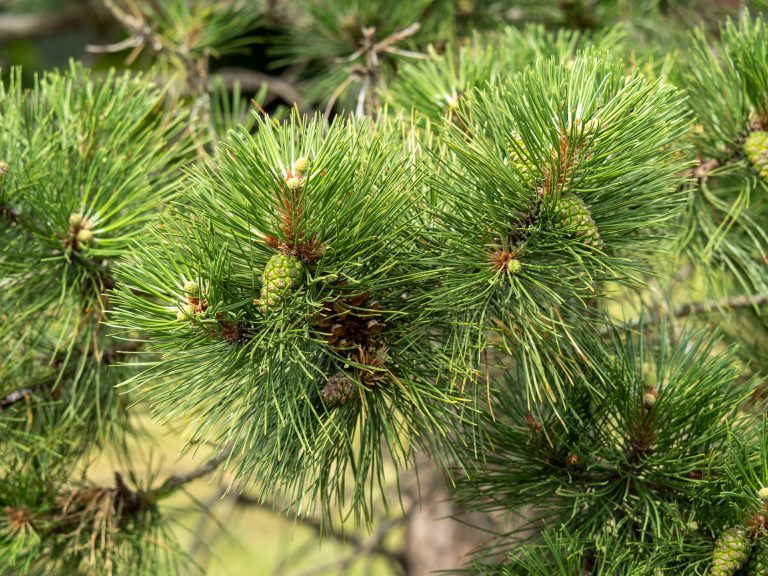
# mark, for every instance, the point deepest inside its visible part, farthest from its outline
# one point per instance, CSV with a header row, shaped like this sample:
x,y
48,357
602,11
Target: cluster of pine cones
x,y
350,325
353,325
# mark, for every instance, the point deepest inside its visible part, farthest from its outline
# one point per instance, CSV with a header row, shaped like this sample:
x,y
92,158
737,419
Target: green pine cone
x,y
756,148
758,560
731,552
281,275
572,214
519,160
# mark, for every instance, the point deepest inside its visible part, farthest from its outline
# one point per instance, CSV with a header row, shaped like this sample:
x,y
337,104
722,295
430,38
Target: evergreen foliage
x,y
728,205
584,178
613,465
254,371
496,235
88,164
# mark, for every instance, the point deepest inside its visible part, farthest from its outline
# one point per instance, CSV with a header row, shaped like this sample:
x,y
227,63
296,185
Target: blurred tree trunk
x,y
439,535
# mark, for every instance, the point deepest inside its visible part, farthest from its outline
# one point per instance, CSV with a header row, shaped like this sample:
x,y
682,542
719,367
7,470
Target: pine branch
x,y
373,546
389,42
698,308
702,170
110,356
744,301
176,481
157,26
141,32
370,53
8,213
21,394
14,26
131,500
251,81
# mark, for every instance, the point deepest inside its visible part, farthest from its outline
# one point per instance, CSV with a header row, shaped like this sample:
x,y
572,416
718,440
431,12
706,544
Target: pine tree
x,y
88,164
515,242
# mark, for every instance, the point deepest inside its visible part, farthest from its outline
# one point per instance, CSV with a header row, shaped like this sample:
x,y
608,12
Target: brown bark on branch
x,y
18,395
697,308
251,81
16,26
177,481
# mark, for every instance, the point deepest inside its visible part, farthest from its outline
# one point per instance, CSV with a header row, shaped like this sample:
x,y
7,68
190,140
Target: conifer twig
x,y
744,301
326,531
252,80
368,71
373,545
697,308
13,26
702,170
18,395
9,214
108,357
141,32
176,481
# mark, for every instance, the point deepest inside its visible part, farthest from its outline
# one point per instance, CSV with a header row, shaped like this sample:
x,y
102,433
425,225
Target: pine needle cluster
x,y
639,460
276,294
87,165
728,204
547,195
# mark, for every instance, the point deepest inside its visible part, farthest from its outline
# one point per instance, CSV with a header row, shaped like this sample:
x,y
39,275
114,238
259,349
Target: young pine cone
x,y
519,159
572,215
756,149
731,552
281,275
338,390
758,559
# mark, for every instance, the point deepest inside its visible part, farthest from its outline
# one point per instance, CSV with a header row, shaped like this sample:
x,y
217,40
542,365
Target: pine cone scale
x,y
572,216
731,552
281,275
756,149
